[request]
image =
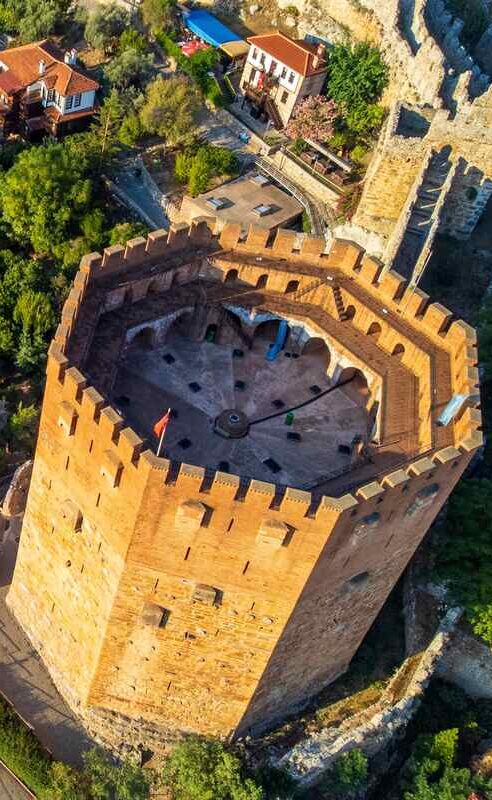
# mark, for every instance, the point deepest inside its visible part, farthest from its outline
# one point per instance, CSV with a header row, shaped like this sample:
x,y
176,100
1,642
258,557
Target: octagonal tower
x,y
218,587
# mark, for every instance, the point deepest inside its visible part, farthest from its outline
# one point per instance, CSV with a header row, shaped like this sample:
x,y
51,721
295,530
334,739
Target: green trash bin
x,y
289,418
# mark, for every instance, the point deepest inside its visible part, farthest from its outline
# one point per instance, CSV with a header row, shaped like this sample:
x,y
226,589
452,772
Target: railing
x,y
315,218
318,175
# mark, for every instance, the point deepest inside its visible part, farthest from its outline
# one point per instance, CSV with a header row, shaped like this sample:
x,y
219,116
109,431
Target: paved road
x,y
25,681
137,190
10,788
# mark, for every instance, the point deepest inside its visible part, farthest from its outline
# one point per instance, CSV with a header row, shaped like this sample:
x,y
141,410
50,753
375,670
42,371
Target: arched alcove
x,y
231,276
292,286
144,338
356,382
374,330
398,351
181,326
350,312
266,331
262,281
211,332
318,350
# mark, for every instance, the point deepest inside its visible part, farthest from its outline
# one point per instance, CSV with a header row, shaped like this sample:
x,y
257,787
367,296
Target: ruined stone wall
x,y
193,602
395,166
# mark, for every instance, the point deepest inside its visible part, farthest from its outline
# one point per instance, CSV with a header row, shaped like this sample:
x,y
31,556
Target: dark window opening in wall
x,y
350,312
262,282
357,581
156,584
398,351
284,72
155,616
90,445
98,500
67,462
77,100
292,286
246,567
231,523
82,569
284,97
188,551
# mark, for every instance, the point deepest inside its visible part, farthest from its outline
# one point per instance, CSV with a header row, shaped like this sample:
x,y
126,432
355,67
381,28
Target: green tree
x,y
34,312
124,231
170,110
431,772
357,75
22,426
465,556
206,770
130,68
43,195
105,26
131,39
159,14
108,781
130,130
349,774
40,18
198,167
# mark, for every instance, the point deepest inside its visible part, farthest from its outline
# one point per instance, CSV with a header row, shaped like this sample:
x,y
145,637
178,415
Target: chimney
x,y
42,67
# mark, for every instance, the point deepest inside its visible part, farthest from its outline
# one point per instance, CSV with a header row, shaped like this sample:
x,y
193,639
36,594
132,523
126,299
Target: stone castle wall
x,y
190,601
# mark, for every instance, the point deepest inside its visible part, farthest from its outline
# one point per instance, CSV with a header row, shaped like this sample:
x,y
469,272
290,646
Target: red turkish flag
x,y
161,424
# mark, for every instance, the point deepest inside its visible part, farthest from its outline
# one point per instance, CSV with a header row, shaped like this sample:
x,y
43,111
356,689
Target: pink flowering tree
x,y
313,119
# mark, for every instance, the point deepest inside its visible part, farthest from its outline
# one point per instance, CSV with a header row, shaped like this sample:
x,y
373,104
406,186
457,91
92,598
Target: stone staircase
x,y
337,295
423,214
273,113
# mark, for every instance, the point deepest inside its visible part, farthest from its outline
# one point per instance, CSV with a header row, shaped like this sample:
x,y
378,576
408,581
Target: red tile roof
x,y
294,53
23,67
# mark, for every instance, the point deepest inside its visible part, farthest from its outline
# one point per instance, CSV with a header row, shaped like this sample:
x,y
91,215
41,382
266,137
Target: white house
x,y
43,90
279,72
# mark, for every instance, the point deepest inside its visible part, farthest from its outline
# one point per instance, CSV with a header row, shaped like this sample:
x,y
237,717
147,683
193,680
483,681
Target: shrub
x,y
465,556
349,774
206,770
199,166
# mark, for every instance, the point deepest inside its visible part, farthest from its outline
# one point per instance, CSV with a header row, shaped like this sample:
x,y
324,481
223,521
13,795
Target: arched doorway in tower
x,y
144,339
318,352
355,384
231,276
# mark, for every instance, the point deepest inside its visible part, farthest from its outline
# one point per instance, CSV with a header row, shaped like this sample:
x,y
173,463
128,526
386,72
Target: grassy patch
x,y
22,753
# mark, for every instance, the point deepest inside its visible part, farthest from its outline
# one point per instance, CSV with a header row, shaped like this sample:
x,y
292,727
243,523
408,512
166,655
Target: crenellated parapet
x,y
191,597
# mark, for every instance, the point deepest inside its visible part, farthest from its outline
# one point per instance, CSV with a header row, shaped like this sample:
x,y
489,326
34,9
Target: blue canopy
x,y
209,28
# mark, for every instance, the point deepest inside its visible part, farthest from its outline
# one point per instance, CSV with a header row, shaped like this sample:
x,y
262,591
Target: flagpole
x,y
162,436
